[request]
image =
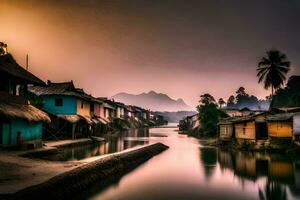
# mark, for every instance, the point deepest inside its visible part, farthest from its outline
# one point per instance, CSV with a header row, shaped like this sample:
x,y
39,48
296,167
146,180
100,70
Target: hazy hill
x,y
153,101
176,116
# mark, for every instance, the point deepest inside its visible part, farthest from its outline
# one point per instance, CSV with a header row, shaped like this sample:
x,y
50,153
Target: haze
x,y
181,48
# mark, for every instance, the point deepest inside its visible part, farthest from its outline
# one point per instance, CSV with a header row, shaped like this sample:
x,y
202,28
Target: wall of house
x,y
119,112
4,133
226,131
245,130
97,109
280,129
107,113
83,107
29,131
296,124
102,111
68,108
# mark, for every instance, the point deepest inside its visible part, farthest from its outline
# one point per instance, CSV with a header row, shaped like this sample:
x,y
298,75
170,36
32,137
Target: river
x,y
189,170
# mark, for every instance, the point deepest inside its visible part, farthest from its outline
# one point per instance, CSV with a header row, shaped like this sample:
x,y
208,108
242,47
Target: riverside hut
x,y
69,108
280,125
251,128
17,117
120,109
226,129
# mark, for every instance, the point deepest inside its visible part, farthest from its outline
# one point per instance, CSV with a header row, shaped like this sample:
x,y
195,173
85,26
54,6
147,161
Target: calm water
x,y
189,170
113,143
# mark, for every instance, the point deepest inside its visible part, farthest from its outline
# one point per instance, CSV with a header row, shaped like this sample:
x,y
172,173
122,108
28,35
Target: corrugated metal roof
x,y
64,88
280,117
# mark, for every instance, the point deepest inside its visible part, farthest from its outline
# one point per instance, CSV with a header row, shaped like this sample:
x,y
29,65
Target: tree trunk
x,y
272,91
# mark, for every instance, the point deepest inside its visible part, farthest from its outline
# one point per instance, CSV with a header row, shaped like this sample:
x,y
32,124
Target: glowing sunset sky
x,y
183,48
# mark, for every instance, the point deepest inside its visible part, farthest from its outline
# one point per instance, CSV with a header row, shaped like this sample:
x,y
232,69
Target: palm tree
x,y
272,70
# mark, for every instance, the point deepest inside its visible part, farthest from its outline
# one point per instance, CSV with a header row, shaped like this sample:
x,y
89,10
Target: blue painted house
x,y
16,115
69,108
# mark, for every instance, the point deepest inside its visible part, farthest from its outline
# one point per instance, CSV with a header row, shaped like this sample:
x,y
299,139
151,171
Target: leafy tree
x,y
209,115
288,96
221,102
272,70
243,99
207,99
241,92
231,102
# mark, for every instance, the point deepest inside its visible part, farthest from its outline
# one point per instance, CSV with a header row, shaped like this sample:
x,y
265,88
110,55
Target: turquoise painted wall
x,y
69,105
29,131
5,133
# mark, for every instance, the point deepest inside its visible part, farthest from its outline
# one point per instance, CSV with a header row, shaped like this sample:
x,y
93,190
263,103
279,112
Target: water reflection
x,y
209,160
113,143
279,171
189,170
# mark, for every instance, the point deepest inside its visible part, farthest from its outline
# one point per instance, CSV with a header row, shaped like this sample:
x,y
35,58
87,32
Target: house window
x,y
244,131
81,104
58,102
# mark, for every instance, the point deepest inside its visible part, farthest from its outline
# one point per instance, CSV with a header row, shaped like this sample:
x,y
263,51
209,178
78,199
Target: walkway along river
x,y
188,170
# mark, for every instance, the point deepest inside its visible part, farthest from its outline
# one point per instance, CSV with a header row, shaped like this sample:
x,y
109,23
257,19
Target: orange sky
x,y
131,46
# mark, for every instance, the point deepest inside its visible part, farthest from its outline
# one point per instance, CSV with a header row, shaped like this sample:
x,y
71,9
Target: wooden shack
x,y
17,117
252,127
226,129
280,125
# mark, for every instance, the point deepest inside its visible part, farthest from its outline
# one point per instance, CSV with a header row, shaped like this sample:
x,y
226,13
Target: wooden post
x,y
27,62
73,131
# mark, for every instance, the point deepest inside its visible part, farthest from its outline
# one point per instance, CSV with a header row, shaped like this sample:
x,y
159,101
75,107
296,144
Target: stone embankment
x,y
70,184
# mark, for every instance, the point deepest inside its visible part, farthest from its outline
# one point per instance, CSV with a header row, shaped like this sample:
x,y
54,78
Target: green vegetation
x,y
243,99
288,96
209,115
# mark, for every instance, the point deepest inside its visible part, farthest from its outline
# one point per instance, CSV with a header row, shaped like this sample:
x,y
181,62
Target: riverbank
x,y
68,184
22,169
282,146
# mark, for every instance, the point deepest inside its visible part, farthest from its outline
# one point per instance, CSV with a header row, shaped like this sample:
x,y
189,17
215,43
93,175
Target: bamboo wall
x,y
226,131
245,130
280,129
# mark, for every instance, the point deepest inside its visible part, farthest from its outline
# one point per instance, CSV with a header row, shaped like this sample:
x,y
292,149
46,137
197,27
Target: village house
x,y
100,124
285,121
226,129
120,110
68,107
232,112
246,111
251,127
109,110
280,125
18,119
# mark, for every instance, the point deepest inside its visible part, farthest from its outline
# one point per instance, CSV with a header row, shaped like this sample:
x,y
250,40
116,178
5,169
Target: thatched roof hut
x,y
9,67
23,111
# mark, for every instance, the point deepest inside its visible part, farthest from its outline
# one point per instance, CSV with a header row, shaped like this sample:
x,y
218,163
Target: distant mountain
x,y
175,116
153,101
